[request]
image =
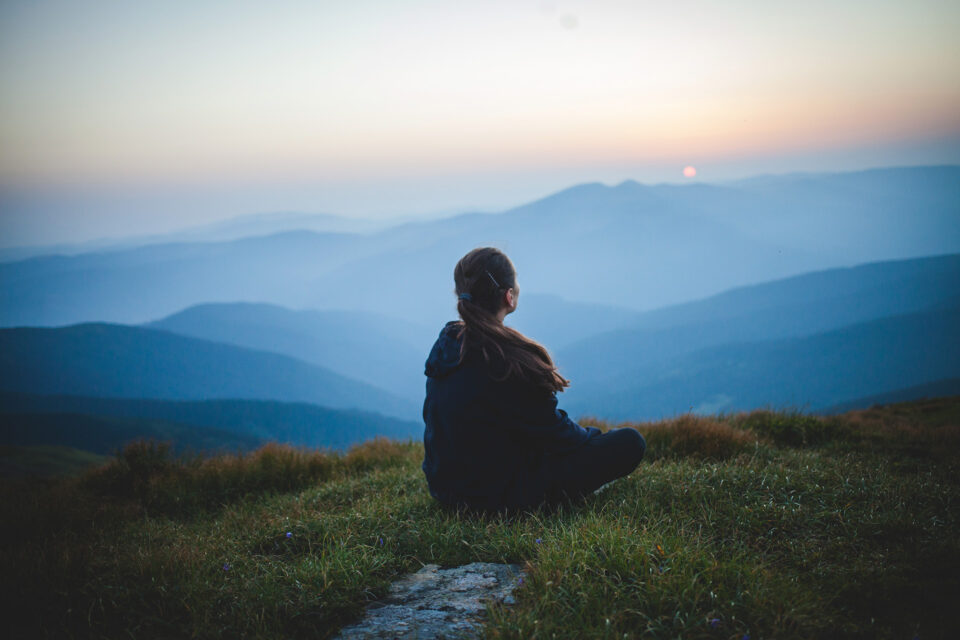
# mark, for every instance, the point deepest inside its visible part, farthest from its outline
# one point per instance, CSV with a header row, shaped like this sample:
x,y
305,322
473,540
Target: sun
x,y
689,171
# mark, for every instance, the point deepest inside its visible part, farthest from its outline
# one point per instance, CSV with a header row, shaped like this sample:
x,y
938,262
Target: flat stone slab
x,y
436,603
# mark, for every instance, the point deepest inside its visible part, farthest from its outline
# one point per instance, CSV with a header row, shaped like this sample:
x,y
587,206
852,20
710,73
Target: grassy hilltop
x,y
766,524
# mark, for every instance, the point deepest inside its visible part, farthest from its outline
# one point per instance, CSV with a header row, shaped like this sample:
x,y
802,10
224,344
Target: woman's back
x,y
485,439
494,437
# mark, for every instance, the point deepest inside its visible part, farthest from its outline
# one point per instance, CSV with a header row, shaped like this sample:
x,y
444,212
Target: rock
x,y
438,603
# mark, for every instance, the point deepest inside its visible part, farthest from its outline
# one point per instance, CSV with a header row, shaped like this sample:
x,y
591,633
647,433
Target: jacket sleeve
x,y
534,413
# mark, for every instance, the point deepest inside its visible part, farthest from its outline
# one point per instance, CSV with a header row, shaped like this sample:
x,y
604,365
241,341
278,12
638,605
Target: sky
x,y
119,118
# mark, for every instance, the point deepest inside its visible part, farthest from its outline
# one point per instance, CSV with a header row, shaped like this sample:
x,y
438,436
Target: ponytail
x,y
481,277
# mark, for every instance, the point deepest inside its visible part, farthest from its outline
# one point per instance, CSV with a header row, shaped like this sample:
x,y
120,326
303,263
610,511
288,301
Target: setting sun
x,y
689,171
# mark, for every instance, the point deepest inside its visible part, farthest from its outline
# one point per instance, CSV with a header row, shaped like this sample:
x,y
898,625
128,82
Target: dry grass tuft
x,y
381,453
687,436
147,472
928,428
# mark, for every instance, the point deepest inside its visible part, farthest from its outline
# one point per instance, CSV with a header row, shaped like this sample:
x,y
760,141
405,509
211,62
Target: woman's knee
x,y
634,445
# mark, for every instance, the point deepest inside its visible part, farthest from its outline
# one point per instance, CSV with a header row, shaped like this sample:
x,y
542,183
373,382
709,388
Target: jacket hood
x,y
445,354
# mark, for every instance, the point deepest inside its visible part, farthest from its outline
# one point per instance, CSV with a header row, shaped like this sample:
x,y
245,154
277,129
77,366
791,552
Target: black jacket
x,y
484,440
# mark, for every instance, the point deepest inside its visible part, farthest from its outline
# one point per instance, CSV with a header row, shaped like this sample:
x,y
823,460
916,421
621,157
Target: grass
x,y
767,524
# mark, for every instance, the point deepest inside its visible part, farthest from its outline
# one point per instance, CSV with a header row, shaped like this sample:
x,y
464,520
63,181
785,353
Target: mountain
x,y
891,212
381,351
801,305
811,372
145,283
222,424
385,352
104,360
630,245
645,247
593,244
262,224
257,224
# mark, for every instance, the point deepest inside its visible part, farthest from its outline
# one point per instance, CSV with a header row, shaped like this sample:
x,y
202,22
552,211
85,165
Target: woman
x,y
494,438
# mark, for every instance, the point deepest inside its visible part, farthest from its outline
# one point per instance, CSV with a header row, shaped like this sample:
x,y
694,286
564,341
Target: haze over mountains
x,y
225,230
634,246
808,291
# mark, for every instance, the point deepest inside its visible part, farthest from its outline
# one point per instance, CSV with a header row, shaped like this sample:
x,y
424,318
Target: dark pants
x,y
578,473
601,459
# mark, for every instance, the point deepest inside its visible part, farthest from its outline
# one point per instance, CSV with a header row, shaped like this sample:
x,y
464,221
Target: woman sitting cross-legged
x,y
494,438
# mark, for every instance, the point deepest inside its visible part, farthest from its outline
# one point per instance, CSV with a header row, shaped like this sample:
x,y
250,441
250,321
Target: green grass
x,y
776,525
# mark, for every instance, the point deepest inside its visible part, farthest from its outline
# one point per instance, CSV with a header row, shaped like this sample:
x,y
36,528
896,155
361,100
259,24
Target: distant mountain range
x,y
805,291
808,373
362,345
634,246
105,360
260,224
792,307
385,352
775,343
815,341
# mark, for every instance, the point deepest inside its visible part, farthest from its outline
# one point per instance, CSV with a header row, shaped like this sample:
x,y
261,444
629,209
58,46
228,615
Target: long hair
x,y
486,273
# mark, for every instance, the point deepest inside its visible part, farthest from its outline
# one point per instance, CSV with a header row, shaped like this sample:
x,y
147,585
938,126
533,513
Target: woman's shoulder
x,y
452,328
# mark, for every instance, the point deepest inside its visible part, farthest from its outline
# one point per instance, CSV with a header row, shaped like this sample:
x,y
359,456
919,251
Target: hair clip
x,y
495,283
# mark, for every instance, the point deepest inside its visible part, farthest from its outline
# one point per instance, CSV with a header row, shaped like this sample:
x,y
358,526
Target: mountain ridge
x,y
847,363
103,359
631,245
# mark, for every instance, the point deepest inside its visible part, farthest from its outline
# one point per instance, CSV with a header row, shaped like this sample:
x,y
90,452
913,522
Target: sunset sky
x,y
122,117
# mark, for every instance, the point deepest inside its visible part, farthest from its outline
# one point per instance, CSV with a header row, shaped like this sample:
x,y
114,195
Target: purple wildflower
x,y
381,542
714,623
746,636
538,540
226,566
289,534
520,581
